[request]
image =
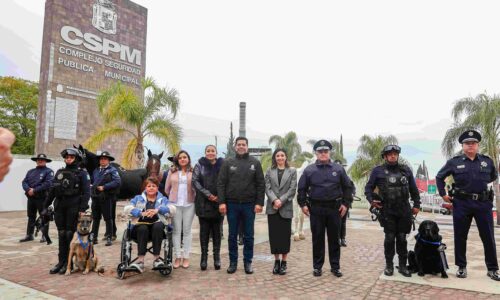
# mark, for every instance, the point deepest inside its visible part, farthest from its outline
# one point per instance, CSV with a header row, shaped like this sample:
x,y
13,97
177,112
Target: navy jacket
x,y
39,179
81,200
323,182
109,178
378,179
471,176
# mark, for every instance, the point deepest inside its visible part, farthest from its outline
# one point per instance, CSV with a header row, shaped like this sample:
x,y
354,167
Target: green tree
x,y
291,144
481,113
230,144
369,155
126,114
18,112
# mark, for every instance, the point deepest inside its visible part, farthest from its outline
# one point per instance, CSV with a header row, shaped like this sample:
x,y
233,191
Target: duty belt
x,y
477,197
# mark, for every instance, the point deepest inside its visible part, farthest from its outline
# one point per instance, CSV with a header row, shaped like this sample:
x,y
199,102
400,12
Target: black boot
x,y
204,258
109,228
283,267
27,238
233,266
63,269
55,269
277,265
248,268
403,269
389,269
217,259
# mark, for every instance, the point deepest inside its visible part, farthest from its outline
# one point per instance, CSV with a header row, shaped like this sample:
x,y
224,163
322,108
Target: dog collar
x,y
426,241
84,245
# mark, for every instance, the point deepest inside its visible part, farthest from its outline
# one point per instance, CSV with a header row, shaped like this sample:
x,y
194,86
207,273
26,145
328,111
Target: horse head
x,y
89,159
153,165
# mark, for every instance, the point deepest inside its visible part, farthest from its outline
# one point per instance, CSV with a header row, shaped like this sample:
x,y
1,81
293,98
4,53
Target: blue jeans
x,y
235,213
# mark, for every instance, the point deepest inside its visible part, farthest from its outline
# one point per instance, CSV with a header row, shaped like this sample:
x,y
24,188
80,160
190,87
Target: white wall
x,y
11,191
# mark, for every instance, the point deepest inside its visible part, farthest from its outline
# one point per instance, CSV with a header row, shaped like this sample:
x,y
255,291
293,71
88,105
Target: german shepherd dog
x,y
429,256
82,249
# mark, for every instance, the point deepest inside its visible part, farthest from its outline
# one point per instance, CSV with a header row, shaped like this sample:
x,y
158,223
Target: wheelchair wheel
x,y
120,271
166,271
126,249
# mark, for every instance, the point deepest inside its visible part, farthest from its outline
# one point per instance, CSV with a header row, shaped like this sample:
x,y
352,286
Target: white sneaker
x,y
139,266
158,264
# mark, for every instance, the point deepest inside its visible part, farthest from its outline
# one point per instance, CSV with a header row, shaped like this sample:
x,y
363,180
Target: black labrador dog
x,y
429,256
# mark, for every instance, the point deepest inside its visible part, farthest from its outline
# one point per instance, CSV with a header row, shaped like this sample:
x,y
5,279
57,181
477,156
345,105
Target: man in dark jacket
x,y
104,190
241,189
35,185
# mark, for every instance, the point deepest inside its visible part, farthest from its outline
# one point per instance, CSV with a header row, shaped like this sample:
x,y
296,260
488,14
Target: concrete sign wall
x,y
87,45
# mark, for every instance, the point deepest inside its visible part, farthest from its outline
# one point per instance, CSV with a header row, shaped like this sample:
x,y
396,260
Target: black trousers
x,y
325,219
102,207
113,214
343,226
145,232
34,205
397,226
210,226
66,219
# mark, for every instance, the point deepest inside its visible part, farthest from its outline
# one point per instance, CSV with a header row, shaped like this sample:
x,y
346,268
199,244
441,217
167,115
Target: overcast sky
x,y
320,68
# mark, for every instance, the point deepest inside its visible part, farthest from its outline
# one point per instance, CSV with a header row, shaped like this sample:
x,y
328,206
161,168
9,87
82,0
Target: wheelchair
x,y
127,245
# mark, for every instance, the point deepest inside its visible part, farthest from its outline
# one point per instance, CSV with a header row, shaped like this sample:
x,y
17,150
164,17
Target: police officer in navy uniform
x,y
395,183
70,194
36,185
472,172
325,194
106,182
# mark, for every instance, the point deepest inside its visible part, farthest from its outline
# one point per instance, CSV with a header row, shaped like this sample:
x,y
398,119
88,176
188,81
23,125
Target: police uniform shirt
x,y
39,179
470,176
378,179
323,182
101,175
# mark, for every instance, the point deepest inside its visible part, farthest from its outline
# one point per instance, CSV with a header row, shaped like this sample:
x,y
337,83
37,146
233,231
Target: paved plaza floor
x,y
24,270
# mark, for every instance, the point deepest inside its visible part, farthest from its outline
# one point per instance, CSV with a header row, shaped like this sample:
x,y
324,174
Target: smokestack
x,y
243,116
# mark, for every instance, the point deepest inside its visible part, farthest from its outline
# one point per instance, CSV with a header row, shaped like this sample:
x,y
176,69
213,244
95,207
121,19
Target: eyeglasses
x,y
390,148
322,151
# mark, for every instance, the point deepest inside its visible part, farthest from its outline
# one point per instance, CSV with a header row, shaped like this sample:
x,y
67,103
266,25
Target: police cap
x,y
322,145
41,156
469,136
105,154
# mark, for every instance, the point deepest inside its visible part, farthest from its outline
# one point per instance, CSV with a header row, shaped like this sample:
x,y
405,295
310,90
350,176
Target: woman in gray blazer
x,y
281,186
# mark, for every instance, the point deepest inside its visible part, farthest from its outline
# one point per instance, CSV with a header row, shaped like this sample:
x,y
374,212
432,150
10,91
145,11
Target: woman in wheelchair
x,y
147,207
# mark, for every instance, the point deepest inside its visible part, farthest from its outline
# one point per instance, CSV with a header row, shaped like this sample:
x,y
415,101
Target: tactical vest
x,y
395,190
67,182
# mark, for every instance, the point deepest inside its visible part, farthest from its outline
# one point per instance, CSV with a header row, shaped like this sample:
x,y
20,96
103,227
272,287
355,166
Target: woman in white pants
x,y
181,193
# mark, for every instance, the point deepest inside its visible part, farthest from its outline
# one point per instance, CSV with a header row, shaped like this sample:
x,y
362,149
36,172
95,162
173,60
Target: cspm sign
x,y
92,42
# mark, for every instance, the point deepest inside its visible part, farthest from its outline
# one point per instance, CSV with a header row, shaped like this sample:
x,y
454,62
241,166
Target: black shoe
x,y
389,270
403,270
43,240
336,272
217,261
277,265
343,243
317,272
462,272
283,267
232,268
56,268
203,262
27,238
248,268
108,241
63,269
493,274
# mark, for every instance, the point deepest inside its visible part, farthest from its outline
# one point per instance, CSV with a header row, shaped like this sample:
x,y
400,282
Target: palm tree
x,y
290,143
337,152
482,114
126,114
369,155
